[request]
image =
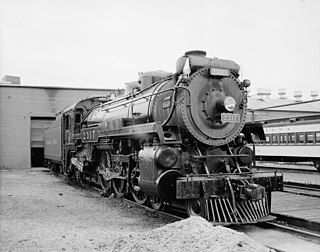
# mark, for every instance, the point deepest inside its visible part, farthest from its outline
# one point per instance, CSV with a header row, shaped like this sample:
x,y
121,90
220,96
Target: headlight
x,y
166,157
230,103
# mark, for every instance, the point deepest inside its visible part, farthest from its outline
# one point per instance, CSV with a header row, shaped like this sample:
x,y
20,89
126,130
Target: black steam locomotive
x,y
172,139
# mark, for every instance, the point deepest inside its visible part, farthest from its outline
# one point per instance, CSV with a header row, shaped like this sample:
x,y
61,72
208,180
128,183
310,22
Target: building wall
x,y
18,104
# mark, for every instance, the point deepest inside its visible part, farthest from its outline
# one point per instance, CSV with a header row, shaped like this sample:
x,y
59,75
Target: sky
x,y
105,43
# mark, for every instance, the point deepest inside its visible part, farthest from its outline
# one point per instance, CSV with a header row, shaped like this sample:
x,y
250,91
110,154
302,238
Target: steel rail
x,y
313,169
292,229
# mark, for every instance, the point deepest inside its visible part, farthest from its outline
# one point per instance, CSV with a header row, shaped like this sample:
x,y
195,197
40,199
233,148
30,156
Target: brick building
x,y
25,111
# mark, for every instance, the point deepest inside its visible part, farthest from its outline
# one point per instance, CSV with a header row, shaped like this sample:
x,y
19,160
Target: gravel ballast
x,y
42,212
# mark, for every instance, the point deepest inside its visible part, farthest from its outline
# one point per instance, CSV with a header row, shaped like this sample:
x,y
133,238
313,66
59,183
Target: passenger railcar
x,y
176,139
296,141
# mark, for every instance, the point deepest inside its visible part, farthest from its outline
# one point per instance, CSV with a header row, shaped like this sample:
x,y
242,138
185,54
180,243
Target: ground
x,y
42,212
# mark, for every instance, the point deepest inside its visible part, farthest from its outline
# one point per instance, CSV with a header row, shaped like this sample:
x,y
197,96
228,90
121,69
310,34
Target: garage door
x,y
38,125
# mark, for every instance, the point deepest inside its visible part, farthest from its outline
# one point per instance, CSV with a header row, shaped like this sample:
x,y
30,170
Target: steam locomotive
x,y
172,139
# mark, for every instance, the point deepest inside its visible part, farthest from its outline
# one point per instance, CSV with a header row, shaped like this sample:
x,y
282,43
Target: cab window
x,y
67,122
78,118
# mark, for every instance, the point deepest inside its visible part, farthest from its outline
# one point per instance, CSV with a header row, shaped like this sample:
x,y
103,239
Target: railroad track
x,y
302,189
281,237
175,216
291,229
282,231
310,170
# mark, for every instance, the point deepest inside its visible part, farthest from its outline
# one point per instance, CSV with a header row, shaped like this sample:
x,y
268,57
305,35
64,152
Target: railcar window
x,y
310,137
291,138
275,139
267,139
318,137
300,137
283,138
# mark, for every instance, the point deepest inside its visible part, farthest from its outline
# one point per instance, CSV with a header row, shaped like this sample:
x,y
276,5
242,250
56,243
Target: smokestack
x,y
297,95
314,94
282,93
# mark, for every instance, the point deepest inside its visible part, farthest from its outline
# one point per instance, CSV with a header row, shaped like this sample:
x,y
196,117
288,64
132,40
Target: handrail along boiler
x,y
176,139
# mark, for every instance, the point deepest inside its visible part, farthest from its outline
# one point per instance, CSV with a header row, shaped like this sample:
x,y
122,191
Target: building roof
x,y
268,109
61,88
267,103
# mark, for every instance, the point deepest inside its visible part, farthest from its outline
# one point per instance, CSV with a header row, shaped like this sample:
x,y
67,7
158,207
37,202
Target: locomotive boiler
x,y
176,139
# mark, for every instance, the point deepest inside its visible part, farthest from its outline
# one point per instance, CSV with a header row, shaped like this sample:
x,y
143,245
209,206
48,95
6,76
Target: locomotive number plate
x,y
89,135
219,72
227,117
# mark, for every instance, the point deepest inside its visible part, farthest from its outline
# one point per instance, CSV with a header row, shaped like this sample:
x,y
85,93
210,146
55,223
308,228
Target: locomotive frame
x,y
173,139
